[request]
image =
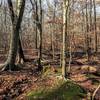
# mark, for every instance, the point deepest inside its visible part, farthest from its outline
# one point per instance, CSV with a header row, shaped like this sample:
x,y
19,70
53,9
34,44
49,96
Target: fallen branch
x,y
94,93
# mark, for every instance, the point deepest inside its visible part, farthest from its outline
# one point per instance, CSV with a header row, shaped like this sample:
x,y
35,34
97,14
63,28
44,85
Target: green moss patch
x,y
59,91
93,78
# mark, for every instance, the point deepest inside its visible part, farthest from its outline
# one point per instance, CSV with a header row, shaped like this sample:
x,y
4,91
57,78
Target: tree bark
x,y
87,30
10,63
20,50
40,67
95,27
65,5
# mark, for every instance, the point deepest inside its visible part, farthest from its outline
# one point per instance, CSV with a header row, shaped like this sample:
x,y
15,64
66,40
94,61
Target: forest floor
x,y
27,84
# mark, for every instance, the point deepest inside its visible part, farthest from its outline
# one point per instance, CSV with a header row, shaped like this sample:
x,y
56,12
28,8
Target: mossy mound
x,y
60,91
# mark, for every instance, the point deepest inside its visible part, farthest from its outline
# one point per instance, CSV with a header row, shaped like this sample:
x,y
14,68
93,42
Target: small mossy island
x,y
60,91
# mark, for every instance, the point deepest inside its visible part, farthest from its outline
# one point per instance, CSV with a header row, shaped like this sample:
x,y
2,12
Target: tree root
x,y
8,67
2,66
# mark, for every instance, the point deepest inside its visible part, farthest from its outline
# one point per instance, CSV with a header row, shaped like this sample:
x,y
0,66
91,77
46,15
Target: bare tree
x,y
95,26
65,8
10,62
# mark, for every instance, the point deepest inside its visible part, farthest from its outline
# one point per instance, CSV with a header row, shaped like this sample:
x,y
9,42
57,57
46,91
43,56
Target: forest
x,y
49,49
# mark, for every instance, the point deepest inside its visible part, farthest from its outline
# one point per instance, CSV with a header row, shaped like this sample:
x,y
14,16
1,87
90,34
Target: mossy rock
x,y
63,91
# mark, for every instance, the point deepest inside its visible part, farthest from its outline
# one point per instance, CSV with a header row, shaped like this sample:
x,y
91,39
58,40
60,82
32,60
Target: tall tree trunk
x,y
83,27
36,38
90,15
36,18
20,50
87,30
95,27
65,5
40,37
10,63
53,46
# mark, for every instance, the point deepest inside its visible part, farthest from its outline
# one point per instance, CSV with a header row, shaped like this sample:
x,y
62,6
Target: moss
x,y
60,91
47,71
93,78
